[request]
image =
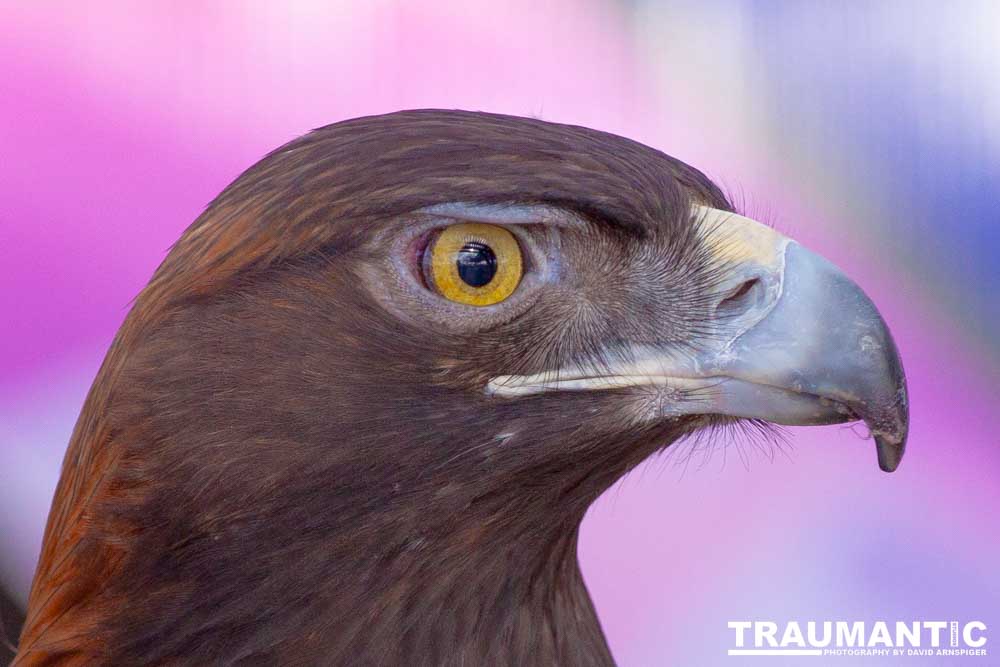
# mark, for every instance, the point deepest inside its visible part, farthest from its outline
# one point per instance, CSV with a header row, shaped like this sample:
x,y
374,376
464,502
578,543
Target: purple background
x,y
870,133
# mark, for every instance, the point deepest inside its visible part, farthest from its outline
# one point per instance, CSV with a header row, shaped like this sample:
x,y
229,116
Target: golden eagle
x,y
358,413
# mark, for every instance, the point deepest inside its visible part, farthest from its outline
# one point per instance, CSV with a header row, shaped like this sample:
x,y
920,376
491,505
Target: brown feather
x,y
272,468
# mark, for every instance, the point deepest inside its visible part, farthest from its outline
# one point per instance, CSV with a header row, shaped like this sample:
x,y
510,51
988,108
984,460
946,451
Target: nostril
x,y
740,298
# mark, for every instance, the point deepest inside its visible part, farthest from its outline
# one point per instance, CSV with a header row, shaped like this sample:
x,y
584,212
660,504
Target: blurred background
x,y
869,131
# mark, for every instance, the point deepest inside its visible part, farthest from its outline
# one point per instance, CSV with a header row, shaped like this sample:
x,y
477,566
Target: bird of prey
x,y
358,413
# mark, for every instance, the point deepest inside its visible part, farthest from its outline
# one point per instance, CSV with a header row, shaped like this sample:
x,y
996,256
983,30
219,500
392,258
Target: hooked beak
x,y
799,344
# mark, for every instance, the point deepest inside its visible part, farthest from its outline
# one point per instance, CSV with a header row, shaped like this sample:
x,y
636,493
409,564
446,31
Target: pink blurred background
x,y
869,132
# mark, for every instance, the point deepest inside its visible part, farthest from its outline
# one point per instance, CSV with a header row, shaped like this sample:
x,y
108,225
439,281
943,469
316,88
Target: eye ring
x,y
473,264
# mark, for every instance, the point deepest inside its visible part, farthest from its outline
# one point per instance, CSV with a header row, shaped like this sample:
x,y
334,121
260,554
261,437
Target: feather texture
x,y
272,467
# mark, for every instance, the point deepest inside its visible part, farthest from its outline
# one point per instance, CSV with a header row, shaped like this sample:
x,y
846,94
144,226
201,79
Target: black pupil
x,y
476,264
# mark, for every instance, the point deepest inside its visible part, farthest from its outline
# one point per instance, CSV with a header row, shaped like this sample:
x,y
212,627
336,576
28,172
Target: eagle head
x,y
360,410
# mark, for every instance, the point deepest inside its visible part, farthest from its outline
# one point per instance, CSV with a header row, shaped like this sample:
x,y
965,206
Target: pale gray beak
x,y
799,343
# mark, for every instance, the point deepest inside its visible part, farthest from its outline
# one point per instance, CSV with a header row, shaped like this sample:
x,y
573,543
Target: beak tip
x,y
889,456
890,448
891,425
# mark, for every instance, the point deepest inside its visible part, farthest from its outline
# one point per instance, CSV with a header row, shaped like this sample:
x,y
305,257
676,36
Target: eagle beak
x,y
797,343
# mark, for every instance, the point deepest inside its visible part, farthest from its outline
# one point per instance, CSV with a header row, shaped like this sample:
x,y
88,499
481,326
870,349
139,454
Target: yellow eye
x,y
474,264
